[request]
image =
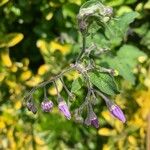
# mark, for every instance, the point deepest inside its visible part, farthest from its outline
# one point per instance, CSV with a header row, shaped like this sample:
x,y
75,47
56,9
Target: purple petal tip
x,y
117,112
64,109
47,106
95,122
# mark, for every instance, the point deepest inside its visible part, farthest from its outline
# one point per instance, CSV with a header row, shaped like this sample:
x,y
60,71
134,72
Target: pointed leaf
x,y
104,82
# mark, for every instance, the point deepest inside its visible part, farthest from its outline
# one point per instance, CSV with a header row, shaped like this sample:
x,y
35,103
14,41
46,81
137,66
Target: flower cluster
x,y
91,118
47,105
91,11
90,100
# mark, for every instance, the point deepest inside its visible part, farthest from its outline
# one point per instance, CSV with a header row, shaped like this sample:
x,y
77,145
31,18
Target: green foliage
x,y
104,82
115,31
125,61
117,28
40,38
77,85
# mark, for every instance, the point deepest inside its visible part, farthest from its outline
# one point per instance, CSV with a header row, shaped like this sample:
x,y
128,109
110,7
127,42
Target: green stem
x,y
83,48
58,94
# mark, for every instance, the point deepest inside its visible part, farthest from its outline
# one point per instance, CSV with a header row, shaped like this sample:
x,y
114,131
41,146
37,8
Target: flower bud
x,y
31,107
47,106
114,109
91,118
64,109
117,112
95,122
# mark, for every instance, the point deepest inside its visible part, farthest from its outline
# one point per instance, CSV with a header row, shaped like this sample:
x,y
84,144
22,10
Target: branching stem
x,y
49,81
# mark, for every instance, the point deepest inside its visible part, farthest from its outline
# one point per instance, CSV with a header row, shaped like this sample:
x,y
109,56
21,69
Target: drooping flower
x,y
31,107
47,105
64,109
113,108
117,112
91,118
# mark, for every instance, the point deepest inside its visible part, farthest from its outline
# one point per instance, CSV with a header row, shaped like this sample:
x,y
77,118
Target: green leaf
x,y
130,52
115,31
77,84
123,68
104,82
125,61
118,27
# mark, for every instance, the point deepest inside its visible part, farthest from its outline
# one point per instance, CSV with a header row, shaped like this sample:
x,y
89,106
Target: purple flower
x,y
92,121
47,106
117,112
31,107
95,122
64,109
91,118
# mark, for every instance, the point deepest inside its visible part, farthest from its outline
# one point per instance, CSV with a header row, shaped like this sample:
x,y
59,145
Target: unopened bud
x,y
117,112
64,109
91,118
31,107
47,106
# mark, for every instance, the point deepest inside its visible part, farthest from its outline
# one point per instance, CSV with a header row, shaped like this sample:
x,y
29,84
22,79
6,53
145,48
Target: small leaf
x,y
77,84
104,82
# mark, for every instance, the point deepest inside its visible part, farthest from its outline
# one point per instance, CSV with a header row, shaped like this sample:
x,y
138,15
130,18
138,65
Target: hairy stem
x,y
58,94
103,96
65,87
83,48
49,81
